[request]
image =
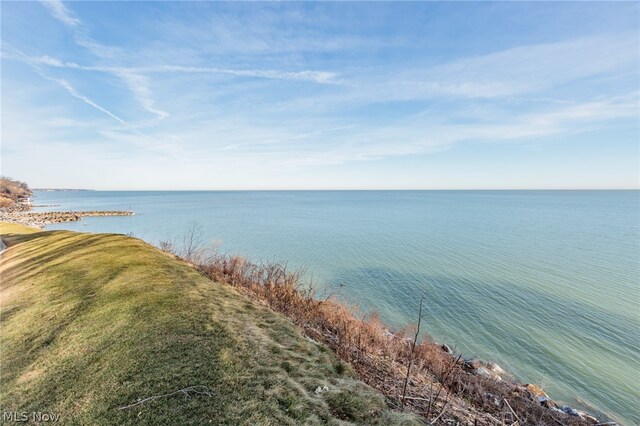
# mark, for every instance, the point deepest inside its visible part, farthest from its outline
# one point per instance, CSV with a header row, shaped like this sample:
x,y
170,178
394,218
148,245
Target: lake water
x,y
545,283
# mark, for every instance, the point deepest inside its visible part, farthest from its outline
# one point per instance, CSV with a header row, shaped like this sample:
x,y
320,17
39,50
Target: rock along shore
x,y
20,214
494,372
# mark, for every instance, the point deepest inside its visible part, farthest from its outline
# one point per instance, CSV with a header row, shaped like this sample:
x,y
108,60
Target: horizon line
x,y
336,189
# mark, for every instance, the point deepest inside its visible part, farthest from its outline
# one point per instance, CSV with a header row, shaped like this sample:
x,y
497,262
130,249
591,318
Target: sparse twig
x,y
511,409
197,390
413,347
443,380
412,398
444,406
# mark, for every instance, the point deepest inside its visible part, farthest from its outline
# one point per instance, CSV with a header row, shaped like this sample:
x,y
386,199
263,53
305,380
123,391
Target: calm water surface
x,y
545,283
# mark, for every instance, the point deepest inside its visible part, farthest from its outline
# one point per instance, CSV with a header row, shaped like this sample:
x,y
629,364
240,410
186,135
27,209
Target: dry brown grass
x,y
380,357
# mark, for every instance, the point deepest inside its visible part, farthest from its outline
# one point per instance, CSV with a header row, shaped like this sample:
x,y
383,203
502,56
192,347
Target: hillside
x,y
95,322
12,193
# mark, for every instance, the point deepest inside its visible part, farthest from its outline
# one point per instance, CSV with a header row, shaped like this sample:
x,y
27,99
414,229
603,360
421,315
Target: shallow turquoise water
x,y
545,283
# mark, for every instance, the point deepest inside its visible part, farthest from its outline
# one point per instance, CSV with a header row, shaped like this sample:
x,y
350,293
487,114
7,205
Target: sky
x,y
330,95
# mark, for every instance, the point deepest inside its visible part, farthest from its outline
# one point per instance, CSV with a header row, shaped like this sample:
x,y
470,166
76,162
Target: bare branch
x,y
511,409
197,390
413,347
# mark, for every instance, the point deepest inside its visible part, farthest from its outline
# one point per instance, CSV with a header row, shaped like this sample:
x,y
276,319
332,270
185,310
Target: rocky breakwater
x,y
494,372
43,218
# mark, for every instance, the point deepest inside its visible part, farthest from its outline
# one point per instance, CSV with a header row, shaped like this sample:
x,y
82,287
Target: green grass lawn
x,y
93,322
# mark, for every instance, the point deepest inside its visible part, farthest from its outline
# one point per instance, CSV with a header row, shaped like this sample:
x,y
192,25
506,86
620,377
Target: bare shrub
x,y
167,245
420,376
192,244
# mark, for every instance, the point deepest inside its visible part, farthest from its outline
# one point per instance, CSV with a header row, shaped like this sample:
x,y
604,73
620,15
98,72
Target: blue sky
x,y
292,95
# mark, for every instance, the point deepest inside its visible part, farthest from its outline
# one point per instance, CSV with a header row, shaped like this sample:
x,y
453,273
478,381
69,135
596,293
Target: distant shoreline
x,y
60,189
354,190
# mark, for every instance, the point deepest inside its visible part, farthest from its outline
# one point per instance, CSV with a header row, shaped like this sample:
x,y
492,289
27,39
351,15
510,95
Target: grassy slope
x,y
91,322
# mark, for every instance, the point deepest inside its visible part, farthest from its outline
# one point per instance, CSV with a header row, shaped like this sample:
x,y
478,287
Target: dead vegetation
x,y
420,376
12,192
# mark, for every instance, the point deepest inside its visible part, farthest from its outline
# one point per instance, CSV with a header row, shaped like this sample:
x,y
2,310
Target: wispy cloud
x,y
139,86
322,77
59,11
73,92
136,79
506,73
530,68
81,34
36,66
293,88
